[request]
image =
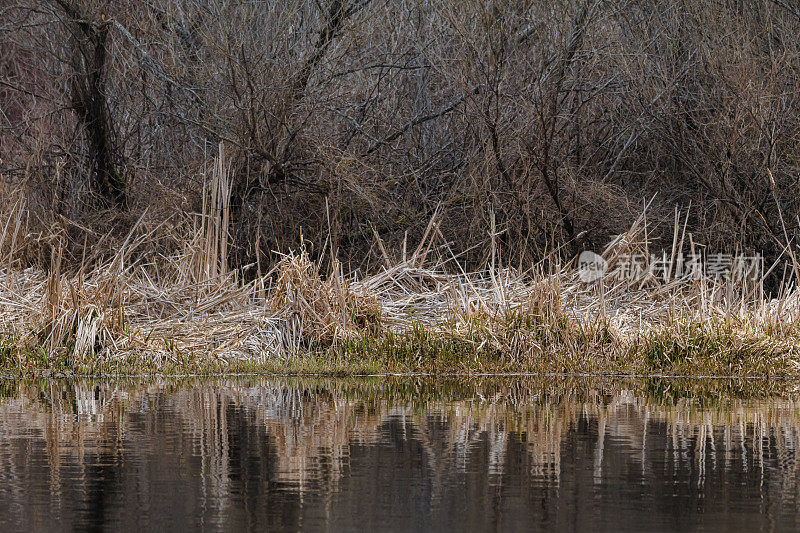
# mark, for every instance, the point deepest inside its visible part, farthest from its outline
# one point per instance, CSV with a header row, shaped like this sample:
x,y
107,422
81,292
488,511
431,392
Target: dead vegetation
x,y
189,313
435,166
343,119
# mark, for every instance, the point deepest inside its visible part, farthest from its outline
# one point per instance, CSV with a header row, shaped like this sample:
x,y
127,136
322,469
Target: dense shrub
x,y
551,122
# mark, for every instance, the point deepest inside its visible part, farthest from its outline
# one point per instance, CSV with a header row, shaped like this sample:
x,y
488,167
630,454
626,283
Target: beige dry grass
x,y
189,313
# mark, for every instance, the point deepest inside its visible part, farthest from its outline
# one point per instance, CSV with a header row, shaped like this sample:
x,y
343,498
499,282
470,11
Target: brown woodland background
x,y
350,123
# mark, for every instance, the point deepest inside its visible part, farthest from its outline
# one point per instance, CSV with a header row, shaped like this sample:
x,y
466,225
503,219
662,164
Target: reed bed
x,y
190,313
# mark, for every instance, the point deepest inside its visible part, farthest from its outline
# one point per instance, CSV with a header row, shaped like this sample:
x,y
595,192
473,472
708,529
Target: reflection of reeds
x,y
308,421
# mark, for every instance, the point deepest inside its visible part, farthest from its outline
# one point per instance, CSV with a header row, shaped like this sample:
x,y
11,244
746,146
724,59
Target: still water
x,y
399,454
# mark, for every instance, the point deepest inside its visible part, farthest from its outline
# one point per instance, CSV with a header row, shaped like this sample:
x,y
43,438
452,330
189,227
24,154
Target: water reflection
x,y
399,454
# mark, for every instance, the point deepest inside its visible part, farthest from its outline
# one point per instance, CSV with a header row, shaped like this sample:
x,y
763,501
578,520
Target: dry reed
x,y
421,313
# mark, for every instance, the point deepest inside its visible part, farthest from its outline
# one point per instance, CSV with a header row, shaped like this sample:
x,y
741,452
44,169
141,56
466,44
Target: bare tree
x,y
89,33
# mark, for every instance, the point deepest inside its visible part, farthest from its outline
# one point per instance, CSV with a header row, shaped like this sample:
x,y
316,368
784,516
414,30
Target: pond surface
x,y
398,454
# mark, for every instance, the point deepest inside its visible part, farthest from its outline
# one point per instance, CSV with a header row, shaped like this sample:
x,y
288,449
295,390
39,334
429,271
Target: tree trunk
x,y
90,52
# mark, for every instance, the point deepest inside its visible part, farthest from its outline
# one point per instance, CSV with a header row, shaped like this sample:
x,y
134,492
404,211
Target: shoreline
x,y
479,387
714,348
48,374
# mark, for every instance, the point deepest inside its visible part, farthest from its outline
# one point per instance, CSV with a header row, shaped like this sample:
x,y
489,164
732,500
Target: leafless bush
x,y
551,122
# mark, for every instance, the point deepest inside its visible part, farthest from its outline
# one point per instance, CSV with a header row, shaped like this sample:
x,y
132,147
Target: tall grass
x,y
134,311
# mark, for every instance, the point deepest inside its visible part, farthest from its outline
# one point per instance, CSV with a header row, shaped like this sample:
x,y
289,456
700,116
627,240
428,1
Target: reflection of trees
x,y
226,447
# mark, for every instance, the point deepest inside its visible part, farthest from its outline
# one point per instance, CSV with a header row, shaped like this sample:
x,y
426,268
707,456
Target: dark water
x,y
275,454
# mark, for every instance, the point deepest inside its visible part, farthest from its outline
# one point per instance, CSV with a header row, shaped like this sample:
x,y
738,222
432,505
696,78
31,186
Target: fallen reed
x,y
423,313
